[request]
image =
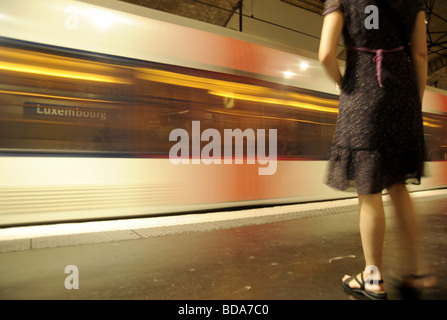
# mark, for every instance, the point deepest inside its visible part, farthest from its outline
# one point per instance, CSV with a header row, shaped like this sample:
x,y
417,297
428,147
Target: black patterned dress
x,y
379,138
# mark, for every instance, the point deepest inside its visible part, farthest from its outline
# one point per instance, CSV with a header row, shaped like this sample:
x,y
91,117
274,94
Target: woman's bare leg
x,y
406,217
413,263
372,228
372,231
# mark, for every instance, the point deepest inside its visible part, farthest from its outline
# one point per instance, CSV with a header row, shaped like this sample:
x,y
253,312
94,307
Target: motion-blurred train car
x,y
112,110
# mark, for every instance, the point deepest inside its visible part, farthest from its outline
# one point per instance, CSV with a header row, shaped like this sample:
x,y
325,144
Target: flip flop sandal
x,y
362,290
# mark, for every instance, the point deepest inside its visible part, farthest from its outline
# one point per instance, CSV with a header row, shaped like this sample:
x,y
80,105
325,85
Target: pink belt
x,y
378,59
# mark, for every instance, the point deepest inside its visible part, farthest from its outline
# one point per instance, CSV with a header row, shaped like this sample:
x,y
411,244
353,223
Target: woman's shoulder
x,y
332,5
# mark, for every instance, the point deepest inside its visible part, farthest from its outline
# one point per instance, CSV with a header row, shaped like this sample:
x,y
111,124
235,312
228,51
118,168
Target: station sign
x,y
65,113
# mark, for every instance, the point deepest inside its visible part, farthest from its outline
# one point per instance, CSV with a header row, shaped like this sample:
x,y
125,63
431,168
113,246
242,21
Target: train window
x,y
61,101
81,103
435,130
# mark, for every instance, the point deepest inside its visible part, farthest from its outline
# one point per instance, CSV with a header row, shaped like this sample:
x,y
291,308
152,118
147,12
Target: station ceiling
x,y
219,12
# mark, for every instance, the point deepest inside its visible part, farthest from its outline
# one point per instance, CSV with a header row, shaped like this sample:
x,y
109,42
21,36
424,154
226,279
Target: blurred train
x,y
91,92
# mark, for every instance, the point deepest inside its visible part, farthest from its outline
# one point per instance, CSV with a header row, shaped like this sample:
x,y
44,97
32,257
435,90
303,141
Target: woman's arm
x,y
419,52
330,36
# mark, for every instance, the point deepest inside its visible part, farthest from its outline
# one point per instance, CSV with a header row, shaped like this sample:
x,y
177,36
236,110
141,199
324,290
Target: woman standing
x,y
378,142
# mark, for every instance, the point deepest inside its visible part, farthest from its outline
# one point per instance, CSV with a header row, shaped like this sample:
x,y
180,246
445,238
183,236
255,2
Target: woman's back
x,y
379,136
378,24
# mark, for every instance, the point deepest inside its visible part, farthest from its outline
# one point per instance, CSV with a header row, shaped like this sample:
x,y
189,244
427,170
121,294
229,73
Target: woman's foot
x,y
421,281
411,286
371,288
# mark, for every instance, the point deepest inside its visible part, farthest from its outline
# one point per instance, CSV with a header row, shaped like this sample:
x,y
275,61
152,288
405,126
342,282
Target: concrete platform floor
x,y
291,259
